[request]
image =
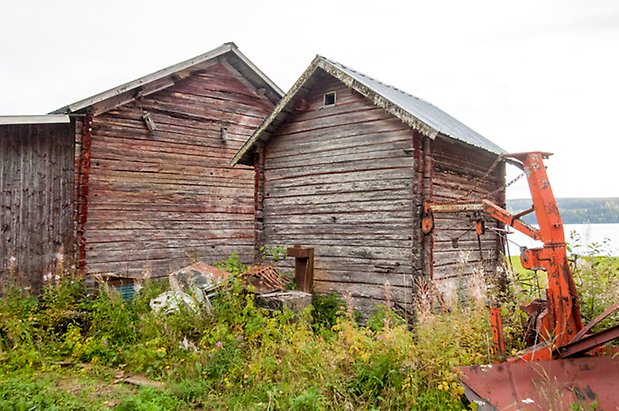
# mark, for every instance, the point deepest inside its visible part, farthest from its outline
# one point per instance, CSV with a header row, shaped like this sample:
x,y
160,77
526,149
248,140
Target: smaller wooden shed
x,y
344,163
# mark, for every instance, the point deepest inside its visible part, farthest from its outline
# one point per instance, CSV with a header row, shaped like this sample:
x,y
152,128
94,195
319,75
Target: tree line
x,y
576,210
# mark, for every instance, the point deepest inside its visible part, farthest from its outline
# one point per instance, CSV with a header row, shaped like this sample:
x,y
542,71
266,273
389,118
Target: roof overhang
x,y
166,78
35,119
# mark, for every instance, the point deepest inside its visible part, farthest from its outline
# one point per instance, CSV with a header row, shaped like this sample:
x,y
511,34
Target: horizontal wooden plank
x,y
395,193
145,149
398,294
156,267
111,215
397,217
384,163
389,129
204,234
359,241
167,199
341,151
345,185
380,229
170,129
154,247
330,208
139,255
373,278
354,177
146,210
156,165
112,223
211,176
360,116
332,161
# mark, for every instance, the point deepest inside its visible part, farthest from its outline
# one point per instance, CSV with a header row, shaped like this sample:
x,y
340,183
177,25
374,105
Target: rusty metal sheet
x,y
265,279
557,385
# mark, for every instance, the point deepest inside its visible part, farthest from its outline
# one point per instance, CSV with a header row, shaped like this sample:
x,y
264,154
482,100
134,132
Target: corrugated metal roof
x,y
420,115
429,114
169,71
34,119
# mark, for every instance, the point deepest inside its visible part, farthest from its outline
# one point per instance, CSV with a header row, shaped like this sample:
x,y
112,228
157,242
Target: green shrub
x,y
241,356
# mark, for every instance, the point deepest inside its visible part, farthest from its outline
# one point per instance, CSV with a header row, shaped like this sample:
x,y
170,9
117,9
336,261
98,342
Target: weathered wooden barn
x,y
141,172
344,164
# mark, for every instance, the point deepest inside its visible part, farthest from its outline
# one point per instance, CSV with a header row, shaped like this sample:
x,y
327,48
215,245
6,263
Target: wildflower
x,y
219,344
239,338
443,386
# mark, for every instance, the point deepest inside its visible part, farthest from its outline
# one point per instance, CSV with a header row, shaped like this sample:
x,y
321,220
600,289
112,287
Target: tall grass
x,y
242,356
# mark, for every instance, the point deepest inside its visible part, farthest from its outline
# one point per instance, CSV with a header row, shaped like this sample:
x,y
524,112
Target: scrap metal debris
x,y
192,286
169,301
199,280
589,382
195,286
265,279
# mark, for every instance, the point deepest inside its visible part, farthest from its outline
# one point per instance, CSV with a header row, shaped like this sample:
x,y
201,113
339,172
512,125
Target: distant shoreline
x,y
602,210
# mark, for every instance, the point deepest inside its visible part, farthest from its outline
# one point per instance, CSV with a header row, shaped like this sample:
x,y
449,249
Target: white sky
x,y
529,75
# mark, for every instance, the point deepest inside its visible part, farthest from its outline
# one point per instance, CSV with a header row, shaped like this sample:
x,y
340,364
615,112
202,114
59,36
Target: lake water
x,y
604,234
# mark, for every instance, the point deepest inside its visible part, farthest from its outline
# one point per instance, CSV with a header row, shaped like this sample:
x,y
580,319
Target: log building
x,y
136,179
344,164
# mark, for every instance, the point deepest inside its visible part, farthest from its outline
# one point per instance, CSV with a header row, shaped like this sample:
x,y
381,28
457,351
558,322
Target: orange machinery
x,y
556,320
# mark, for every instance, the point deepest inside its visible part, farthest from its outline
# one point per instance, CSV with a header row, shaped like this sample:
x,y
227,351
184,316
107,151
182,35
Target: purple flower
x,y
219,344
239,338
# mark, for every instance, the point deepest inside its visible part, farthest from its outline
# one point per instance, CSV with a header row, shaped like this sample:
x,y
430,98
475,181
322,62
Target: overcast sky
x,y
529,75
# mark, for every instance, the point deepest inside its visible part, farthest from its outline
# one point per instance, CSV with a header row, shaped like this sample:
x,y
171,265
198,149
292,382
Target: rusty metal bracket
x,y
303,267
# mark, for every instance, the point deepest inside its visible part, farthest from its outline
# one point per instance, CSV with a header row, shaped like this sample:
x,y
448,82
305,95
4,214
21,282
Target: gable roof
x,y
165,78
420,115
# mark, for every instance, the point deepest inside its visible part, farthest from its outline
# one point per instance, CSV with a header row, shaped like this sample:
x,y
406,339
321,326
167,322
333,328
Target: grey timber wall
x,y
340,179
160,199
458,174
36,211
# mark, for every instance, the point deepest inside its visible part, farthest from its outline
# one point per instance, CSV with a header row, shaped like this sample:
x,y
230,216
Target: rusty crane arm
x,y
558,320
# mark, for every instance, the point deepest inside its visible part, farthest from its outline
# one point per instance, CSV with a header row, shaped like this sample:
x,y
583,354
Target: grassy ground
x,y
72,350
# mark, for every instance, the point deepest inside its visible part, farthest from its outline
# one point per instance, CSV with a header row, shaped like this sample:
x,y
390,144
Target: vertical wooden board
x,y
36,181
160,178
342,239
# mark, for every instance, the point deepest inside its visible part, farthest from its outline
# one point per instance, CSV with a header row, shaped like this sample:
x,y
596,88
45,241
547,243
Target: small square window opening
x,y
329,99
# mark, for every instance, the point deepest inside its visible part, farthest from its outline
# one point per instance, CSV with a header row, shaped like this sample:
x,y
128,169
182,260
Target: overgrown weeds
x,y
240,356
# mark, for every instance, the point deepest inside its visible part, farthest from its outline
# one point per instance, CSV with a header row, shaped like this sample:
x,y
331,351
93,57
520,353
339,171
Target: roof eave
x,y
35,119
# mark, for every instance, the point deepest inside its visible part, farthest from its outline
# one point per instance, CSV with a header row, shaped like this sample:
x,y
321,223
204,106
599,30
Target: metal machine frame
x,y
557,320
